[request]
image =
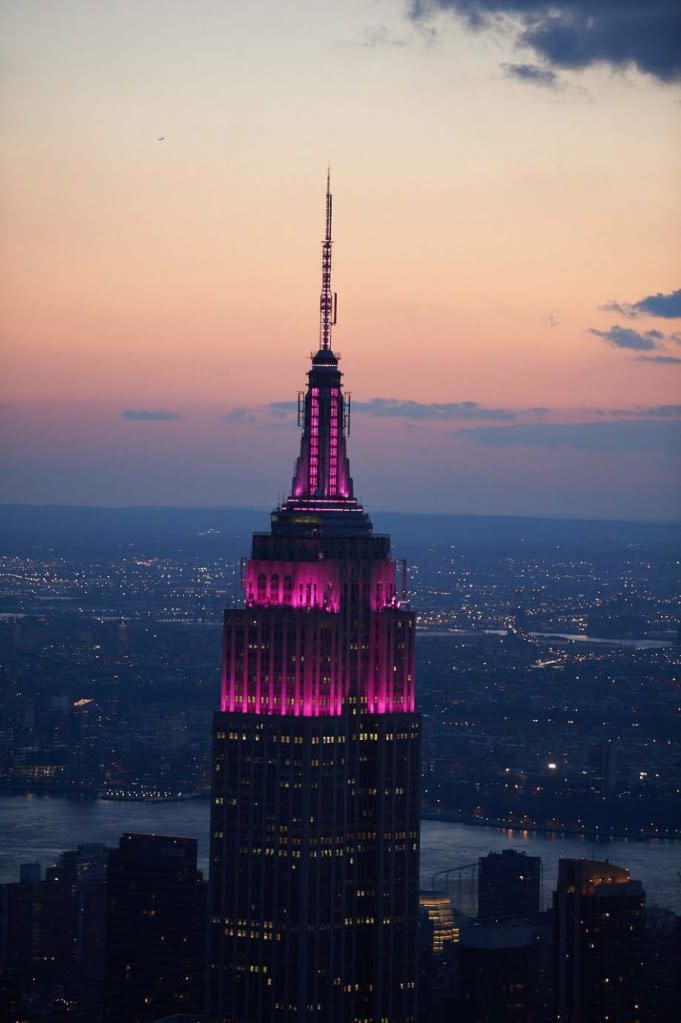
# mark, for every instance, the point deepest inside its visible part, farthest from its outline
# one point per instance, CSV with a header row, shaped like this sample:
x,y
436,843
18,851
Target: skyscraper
x,y
508,886
315,813
155,929
599,915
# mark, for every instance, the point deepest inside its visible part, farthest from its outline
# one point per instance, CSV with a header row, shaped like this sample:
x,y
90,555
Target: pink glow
x,y
298,584
322,469
281,663
333,443
344,486
293,650
314,441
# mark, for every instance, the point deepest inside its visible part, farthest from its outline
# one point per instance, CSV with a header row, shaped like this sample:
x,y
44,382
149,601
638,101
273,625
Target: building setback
x,y
315,809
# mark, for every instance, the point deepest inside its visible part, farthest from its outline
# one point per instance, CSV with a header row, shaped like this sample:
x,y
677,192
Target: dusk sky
x,y
506,178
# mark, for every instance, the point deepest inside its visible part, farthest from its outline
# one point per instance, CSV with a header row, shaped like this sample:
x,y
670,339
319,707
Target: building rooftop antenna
x,y
328,301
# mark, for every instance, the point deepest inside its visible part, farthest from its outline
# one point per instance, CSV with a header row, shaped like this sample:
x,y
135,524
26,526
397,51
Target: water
x,y
573,637
38,828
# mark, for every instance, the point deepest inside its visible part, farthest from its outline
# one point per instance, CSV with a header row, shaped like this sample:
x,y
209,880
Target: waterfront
x,y
38,828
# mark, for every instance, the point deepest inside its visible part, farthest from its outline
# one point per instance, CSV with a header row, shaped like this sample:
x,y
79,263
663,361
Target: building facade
x,y
599,919
315,809
509,886
155,929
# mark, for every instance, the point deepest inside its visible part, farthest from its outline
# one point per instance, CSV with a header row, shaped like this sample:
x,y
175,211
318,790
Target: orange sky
x,y
480,223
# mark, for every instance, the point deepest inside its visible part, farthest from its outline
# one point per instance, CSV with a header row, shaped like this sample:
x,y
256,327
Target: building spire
x,y
327,300
322,498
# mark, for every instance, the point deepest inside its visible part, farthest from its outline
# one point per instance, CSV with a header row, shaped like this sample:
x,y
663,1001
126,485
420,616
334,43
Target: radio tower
x,y
328,301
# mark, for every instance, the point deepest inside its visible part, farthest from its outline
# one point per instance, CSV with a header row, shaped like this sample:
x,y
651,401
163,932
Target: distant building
x,y
498,969
662,958
155,943
599,916
83,874
509,885
604,767
445,930
30,873
37,940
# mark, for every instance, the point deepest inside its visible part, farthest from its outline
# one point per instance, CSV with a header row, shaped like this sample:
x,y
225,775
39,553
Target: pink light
x,y
300,584
285,653
322,468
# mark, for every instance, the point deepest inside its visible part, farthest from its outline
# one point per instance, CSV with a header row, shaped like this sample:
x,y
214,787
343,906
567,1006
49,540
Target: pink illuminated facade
x,y
314,845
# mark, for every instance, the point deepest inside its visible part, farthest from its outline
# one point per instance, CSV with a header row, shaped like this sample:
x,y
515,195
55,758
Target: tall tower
x,y
315,808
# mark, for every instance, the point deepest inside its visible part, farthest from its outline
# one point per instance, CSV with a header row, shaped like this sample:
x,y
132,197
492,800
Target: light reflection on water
x,y
38,828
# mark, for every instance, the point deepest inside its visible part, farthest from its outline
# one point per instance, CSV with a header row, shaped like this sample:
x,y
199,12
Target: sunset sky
x,y
507,214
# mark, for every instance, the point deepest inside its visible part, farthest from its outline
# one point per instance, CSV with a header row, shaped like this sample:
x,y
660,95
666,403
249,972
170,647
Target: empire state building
x,y
316,756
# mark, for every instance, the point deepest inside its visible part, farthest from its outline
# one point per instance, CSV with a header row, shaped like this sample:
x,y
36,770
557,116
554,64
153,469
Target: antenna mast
x,y
328,301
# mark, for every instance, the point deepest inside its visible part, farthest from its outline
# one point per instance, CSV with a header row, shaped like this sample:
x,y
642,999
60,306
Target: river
x,y
38,828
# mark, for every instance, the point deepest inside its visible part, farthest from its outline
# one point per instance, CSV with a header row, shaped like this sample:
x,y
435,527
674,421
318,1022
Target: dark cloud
x,y
665,360
533,74
240,415
149,415
664,411
397,408
666,306
657,411
394,408
624,436
625,337
578,33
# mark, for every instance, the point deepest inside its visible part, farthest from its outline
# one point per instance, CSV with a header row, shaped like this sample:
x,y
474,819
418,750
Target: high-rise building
x,y
508,886
314,829
599,918
155,929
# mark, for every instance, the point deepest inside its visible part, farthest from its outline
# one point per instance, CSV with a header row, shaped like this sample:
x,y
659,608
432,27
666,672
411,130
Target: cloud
x,y
240,415
666,306
533,74
379,35
664,410
395,408
405,408
625,337
628,435
578,33
149,415
658,411
666,360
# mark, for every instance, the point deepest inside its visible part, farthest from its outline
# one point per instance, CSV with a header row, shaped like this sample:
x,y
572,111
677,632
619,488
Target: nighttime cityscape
x,y
111,663
548,667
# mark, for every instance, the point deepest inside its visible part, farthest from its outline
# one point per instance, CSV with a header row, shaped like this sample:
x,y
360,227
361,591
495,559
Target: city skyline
x,y
506,255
